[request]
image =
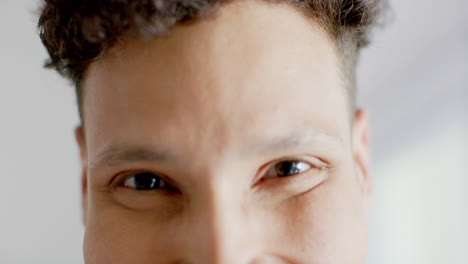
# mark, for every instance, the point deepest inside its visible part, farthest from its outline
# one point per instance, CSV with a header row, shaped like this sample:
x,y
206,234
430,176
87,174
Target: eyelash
x,y
267,168
316,164
124,177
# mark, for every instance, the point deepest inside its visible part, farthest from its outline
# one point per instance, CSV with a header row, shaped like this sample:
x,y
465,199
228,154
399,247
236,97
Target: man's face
x,y
226,141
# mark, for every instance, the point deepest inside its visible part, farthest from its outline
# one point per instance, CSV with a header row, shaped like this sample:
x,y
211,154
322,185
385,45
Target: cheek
x,y
116,235
326,225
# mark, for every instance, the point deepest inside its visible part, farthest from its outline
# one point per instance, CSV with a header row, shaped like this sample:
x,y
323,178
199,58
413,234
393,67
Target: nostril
x,y
269,259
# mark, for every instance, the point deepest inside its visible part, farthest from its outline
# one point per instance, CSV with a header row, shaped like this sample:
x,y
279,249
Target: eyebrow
x,y
127,153
297,139
121,153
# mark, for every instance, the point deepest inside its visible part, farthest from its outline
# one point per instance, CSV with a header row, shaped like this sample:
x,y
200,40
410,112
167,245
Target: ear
x,y
80,139
361,155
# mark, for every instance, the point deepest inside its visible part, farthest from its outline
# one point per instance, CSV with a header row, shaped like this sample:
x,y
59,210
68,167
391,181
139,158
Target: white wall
x,y
39,186
421,202
413,79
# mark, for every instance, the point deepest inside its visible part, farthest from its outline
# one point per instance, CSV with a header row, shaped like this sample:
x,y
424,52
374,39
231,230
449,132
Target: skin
x,y
212,108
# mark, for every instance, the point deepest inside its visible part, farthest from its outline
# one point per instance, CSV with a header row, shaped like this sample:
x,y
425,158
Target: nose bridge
x,y
223,223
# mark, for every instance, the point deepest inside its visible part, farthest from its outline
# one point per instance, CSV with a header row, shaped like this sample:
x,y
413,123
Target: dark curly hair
x,y
77,32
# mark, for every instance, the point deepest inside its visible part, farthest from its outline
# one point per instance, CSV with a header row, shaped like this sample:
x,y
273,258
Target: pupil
x,y
288,168
145,181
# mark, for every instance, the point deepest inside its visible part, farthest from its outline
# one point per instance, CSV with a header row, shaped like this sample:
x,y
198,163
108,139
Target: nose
x,y
227,229
223,229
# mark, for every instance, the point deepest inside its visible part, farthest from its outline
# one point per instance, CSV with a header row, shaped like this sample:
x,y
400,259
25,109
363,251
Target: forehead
x,y
253,69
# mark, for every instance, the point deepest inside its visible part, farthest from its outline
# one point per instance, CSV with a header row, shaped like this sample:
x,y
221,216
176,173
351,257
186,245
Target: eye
x,y
288,168
144,181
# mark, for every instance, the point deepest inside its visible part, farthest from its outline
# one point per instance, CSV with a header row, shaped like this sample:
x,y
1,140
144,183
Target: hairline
x,y
346,53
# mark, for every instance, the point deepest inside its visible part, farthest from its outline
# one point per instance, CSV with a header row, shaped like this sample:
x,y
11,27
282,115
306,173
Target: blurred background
x,y
413,79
